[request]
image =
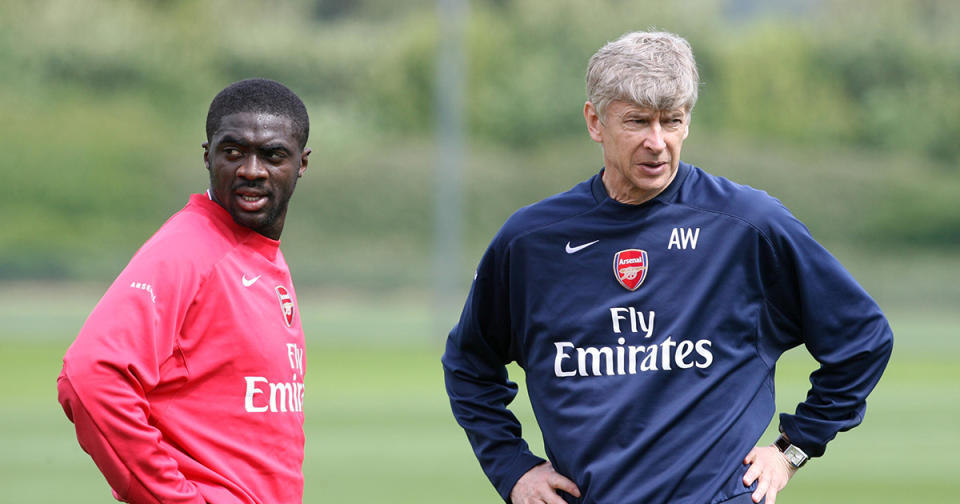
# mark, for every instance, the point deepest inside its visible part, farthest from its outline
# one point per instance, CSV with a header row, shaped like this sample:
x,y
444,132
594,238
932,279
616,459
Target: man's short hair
x,y
262,96
655,70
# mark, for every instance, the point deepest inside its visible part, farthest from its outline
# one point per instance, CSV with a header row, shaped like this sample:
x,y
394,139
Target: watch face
x,y
795,456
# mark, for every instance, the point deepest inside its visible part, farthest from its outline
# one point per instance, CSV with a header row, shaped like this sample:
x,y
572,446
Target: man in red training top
x,y
186,381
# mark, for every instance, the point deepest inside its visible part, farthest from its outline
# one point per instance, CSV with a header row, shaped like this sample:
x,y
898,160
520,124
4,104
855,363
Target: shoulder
x,y
190,239
547,212
754,207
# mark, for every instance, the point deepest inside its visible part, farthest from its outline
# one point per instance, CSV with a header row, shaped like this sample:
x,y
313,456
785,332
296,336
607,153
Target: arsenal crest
x,y
630,267
286,304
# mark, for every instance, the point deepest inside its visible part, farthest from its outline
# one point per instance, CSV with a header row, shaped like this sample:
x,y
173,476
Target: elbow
x,y
885,345
66,395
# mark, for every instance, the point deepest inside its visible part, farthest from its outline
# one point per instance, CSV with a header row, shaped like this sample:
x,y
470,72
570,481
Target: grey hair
x,y
652,69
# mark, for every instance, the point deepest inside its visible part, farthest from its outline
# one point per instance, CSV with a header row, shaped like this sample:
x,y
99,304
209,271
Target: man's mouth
x,y
251,200
653,167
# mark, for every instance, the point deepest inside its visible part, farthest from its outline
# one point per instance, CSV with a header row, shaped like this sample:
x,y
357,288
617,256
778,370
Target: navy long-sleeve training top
x,y
649,336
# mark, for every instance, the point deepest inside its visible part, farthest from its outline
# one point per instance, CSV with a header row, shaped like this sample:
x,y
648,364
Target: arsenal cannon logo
x,y
286,304
630,267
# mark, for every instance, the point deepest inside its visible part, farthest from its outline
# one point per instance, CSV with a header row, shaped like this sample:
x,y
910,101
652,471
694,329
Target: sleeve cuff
x,y
799,438
523,463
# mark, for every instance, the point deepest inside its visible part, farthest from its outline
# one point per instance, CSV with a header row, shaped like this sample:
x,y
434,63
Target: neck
x,y
623,191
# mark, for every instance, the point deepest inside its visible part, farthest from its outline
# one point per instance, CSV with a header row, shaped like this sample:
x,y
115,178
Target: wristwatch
x,y
794,455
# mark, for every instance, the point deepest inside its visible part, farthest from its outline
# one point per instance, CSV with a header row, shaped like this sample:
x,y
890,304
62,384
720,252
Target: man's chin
x,y
653,181
255,221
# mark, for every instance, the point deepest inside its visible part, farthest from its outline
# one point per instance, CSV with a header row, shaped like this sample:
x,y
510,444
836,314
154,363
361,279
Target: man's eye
x,y
276,156
231,152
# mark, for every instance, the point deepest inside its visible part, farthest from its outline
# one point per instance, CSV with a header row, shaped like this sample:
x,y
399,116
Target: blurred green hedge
x,y
843,72
103,104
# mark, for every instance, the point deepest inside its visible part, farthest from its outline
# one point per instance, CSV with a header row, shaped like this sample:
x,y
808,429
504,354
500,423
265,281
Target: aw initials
x,y
683,238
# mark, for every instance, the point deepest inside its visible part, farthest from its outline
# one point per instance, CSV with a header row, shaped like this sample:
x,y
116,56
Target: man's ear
x,y
206,154
594,127
304,158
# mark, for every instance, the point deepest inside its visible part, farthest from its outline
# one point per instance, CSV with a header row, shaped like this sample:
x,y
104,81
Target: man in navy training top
x,y
648,307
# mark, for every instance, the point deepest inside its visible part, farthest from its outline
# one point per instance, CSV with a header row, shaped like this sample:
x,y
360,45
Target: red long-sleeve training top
x,y
186,382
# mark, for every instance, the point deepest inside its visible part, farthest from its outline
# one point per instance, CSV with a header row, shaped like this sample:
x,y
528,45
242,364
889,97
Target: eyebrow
x,y
230,139
276,146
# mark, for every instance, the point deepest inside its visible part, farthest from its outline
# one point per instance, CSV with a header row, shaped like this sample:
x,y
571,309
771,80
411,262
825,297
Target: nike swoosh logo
x,y
578,248
248,283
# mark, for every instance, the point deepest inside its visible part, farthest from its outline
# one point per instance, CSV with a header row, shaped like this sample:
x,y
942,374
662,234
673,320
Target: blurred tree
x,y
329,10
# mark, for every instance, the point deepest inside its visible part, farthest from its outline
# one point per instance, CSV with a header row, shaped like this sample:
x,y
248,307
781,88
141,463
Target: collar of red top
x,y
241,234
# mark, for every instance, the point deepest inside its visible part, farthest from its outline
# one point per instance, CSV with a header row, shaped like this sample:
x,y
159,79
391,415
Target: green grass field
x,y
379,427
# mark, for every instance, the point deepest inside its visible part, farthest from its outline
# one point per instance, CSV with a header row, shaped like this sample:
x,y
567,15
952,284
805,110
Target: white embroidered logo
x,y
578,248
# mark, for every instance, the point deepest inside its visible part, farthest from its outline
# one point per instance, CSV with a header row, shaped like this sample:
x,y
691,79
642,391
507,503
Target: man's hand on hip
x,y
770,469
540,484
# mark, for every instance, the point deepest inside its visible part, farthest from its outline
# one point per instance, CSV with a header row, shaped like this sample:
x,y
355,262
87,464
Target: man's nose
x,y
252,168
653,140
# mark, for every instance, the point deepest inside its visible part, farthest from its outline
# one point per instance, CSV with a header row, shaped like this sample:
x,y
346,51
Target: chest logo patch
x,y
286,304
630,266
